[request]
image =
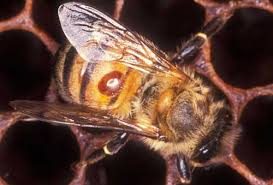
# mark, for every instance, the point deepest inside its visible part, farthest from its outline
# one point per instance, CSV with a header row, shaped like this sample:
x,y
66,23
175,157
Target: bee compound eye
x,y
111,83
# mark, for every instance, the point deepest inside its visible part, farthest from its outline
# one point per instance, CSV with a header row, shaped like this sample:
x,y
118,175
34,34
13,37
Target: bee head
x,y
200,123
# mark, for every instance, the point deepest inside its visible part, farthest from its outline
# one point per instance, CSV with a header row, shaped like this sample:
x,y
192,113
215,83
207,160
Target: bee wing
x,y
97,37
80,116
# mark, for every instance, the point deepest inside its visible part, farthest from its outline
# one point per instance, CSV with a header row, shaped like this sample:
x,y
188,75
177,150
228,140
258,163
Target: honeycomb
x,y
238,60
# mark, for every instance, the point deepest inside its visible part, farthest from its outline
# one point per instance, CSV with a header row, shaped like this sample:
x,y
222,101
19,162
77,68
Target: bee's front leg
x,y
188,51
184,169
111,148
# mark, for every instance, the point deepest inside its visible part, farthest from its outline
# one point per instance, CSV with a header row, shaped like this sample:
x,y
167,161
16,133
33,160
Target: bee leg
x,y
111,148
184,169
188,51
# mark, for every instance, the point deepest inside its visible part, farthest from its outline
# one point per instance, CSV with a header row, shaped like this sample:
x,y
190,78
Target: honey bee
x,y
114,79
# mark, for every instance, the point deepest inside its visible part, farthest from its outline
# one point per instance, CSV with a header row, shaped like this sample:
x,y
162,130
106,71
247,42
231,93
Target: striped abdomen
x,y
102,85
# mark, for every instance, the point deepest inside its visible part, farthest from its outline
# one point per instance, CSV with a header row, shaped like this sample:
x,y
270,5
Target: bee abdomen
x,y
67,73
60,58
97,84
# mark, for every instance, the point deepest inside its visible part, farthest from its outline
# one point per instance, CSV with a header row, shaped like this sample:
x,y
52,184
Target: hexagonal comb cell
x,y
164,23
242,50
24,68
38,153
238,60
255,147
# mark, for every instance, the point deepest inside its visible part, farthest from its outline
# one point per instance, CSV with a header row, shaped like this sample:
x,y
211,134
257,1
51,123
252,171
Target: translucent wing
x,y
97,37
81,116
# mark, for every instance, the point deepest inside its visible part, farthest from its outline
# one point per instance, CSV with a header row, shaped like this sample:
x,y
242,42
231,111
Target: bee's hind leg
x,y
184,169
186,54
111,148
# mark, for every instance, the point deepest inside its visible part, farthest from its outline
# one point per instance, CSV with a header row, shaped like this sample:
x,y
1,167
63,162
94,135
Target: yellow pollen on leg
x,y
106,151
202,35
